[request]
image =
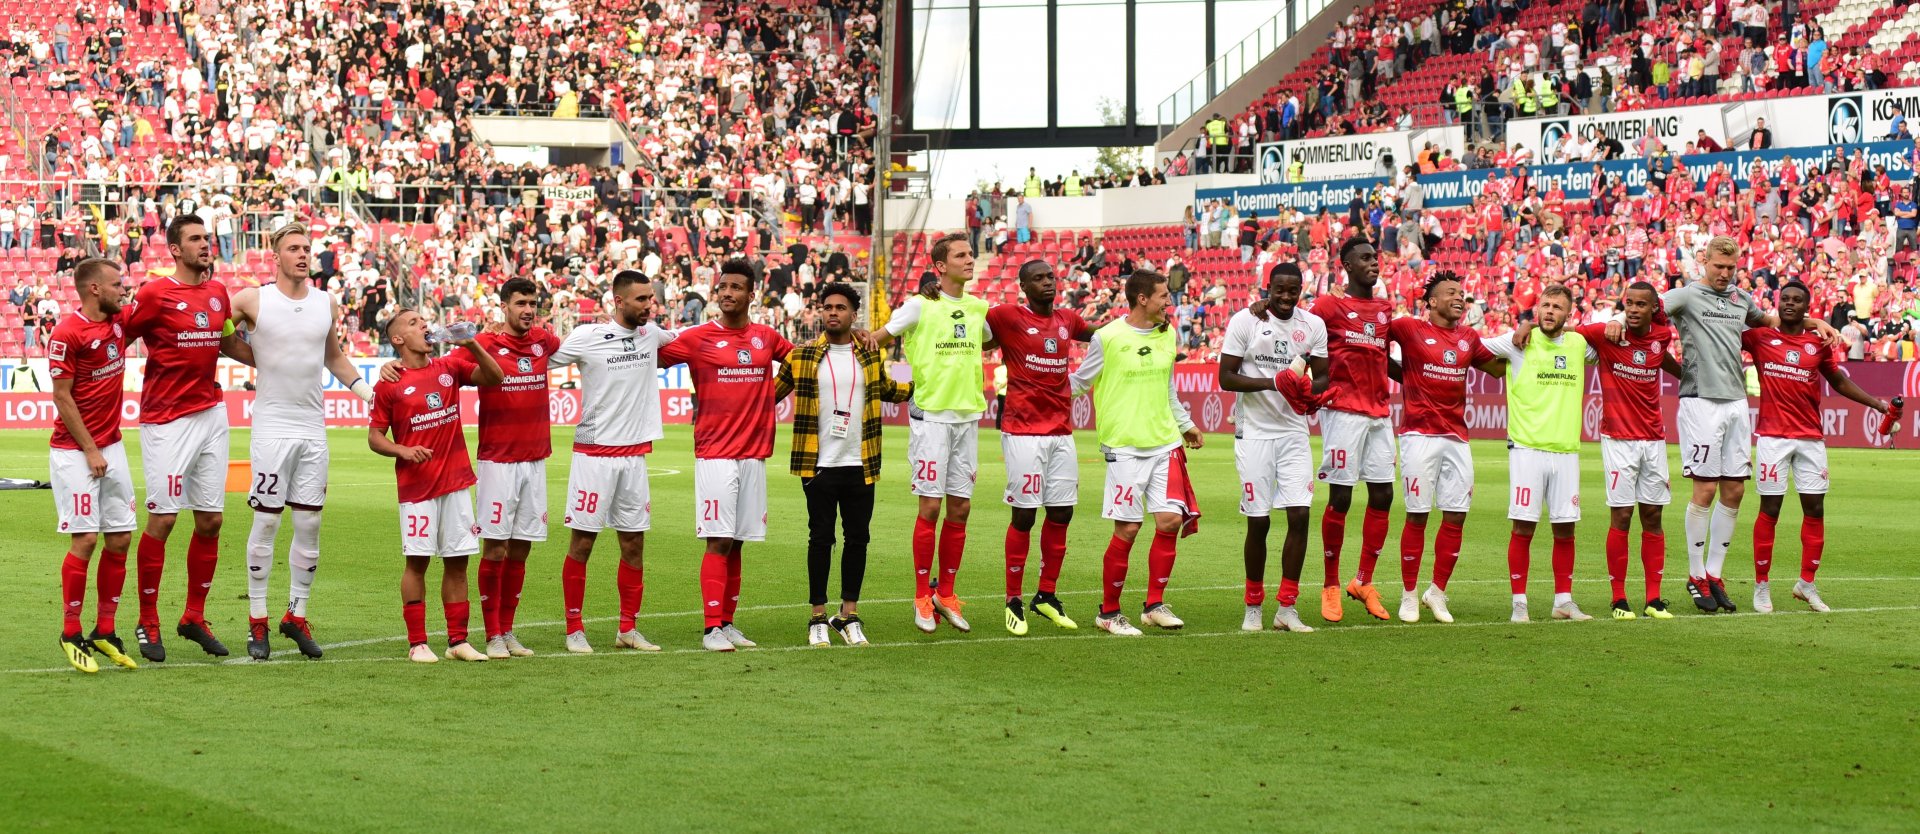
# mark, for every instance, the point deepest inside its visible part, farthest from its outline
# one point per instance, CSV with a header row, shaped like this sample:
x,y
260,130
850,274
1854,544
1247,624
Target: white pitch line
x,y
981,641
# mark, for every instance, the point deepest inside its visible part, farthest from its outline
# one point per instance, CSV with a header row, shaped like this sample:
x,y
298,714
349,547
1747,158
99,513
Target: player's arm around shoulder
x,y
246,307
880,379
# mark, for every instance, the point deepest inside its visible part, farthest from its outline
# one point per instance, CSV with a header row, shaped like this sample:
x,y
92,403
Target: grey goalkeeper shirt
x,y
1710,324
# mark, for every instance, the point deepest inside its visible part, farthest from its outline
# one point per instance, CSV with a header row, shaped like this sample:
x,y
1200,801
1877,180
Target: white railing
x,y
1235,62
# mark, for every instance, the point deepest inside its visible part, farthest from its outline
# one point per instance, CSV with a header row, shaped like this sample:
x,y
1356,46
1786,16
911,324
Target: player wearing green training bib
x,y
1545,381
1129,369
942,338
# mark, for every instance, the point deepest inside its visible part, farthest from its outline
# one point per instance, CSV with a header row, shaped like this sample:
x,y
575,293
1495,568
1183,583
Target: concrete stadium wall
x,y
1254,84
1154,205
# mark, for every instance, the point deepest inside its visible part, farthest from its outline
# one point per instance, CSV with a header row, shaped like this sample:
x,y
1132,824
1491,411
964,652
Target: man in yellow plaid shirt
x,y
837,388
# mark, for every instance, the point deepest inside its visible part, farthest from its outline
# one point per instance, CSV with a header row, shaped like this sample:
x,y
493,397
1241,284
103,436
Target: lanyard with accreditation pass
x,y
839,419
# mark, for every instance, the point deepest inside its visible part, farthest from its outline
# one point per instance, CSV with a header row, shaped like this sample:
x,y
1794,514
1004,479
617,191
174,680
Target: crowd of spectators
x,y
1601,56
750,123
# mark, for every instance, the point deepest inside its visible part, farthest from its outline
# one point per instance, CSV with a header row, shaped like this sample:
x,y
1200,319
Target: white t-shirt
x,y
843,387
619,382
1266,346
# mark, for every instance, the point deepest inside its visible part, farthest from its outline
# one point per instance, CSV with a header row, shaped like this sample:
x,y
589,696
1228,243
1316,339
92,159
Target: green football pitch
x,y
1788,721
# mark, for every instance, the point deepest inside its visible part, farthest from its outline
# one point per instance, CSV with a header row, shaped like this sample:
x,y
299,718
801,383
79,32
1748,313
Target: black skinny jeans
x,y
842,491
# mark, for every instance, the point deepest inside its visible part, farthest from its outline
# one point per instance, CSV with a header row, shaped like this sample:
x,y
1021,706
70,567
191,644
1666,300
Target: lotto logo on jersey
x,y
1052,346
524,364
743,356
433,399
199,319
1145,350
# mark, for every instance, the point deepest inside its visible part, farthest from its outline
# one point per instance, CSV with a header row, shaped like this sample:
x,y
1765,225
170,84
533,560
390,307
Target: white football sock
x,y
266,526
303,558
1721,537
1698,520
1562,599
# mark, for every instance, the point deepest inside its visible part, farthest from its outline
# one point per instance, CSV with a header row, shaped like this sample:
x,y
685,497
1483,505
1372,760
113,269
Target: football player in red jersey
x,y
1436,464
731,360
1792,360
422,411
1633,441
516,438
183,427
1043,465
1356,428
92,484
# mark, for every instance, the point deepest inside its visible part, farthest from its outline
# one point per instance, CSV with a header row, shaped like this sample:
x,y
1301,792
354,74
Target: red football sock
x,y
203,556
573,591
1160,556
73,591
1373,537
1653,559
1017,544
107,586
1289,592
1413,544
149,562
953,544
1256,592
630,581
923,539
490,596
1617,561
512,578
1517,558
1333,532
1113,573
1563,565
1053,553
713,586
1813,539
456,621
415,615
1763,529
1446,553
735,563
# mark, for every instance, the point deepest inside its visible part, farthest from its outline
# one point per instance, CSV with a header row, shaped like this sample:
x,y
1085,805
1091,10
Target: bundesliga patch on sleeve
x,y
57,351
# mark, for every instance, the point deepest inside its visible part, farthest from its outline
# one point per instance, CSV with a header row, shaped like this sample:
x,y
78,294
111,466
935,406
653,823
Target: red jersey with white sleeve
x,y
1357,348
1433,375
1792,372
1629,380
181,324
1036,350
422,408
515,425
733,378
93,355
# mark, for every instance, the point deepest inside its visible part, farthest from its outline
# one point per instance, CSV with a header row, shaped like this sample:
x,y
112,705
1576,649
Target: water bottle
x,y
1890,422
448,334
